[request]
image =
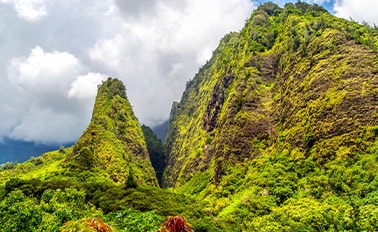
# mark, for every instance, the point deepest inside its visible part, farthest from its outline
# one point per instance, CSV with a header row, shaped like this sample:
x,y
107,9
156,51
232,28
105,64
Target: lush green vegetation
x,y
277,132
156,150
69,205
19,212
113,143
105,181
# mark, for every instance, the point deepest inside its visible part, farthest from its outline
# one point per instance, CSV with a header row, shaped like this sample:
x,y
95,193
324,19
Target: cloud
x,y
52,97
44,72
44,68
30,10
108,51
131,8
45,125
85,86
161,44
362,10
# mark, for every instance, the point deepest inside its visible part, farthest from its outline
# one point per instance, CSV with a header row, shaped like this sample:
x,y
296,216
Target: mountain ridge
x,y
260,77
279,119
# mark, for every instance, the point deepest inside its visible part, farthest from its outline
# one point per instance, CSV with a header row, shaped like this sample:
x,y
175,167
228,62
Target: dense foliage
x,y
19,212
278,131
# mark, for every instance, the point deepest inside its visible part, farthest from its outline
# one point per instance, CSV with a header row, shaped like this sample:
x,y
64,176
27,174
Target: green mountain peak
x,y
114,140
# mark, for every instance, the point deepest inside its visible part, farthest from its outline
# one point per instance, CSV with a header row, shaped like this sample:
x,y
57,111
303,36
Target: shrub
x,y
175,224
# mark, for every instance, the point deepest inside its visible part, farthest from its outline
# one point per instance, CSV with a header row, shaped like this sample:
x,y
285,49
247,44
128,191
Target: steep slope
x,y
114,140
295,74
156,150
285,114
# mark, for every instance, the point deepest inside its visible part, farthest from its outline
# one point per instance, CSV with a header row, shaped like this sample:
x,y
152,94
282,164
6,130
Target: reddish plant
x,y
98,224
175,224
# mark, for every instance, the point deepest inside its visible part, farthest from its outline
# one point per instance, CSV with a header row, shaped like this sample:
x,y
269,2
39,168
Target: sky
x,y
54,54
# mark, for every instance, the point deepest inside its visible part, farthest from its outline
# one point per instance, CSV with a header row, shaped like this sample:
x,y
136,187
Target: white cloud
x,y
85,86
45,71
52,97
30,10
156,51
361,10
108,51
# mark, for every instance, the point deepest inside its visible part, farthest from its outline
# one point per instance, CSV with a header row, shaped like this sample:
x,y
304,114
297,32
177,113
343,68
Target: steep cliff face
x,y
295,78
114,142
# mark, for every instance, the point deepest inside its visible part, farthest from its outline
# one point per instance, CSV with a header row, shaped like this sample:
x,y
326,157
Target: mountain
x,y
114,140
296,77
282,118
112,149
